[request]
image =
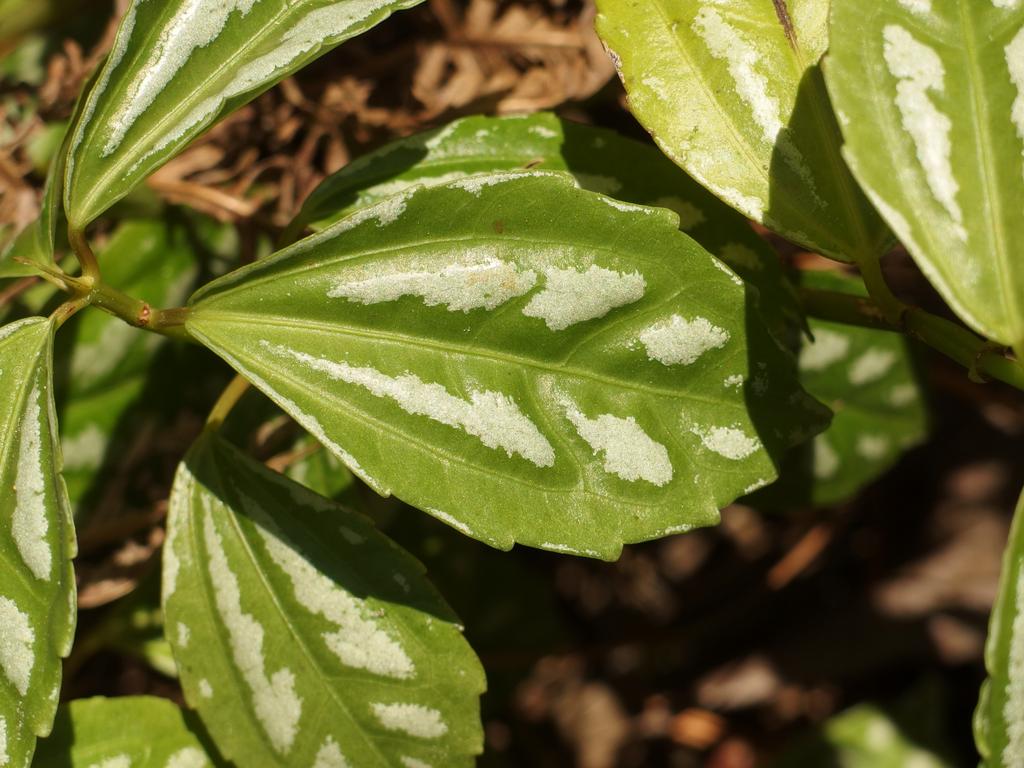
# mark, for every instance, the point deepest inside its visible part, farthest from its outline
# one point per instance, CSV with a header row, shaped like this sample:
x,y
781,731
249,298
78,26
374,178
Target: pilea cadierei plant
x,y
535,331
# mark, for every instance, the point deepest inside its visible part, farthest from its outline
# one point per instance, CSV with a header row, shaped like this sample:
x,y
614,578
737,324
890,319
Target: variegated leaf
x,y
37,591
599,160
867,377
303,635
178,67
931,95
999,718
732,92
525,360
123,732
108,360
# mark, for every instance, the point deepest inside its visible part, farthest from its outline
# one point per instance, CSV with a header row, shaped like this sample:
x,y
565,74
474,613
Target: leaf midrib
x,y
738,141
492,355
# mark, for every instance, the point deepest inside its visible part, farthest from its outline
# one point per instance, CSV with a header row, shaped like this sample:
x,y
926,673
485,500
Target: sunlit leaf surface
x,y
733,93
931,95
598,159
522,359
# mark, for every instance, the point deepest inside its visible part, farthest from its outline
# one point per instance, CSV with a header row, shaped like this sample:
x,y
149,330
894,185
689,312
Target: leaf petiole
x,y
89,291
228,399
80,247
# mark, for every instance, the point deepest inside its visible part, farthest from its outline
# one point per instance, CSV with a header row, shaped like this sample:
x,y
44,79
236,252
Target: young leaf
x,y
599,160
109,360
176,68
522,359
932,99
123,732
37,592
999,718
303,635
867,378
732,92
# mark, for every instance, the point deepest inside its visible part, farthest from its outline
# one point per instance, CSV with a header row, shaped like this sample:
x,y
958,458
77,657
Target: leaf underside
x,y
522,359
166,81
303,635
932,96
37,592
732,92
122,732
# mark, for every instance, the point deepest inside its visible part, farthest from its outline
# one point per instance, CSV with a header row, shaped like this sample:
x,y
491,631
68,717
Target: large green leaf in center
x,y
525,360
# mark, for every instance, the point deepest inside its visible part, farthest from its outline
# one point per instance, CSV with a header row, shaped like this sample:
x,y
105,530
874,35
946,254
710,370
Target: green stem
x,y
228,399
892,308
984,360
65,311
84,254
167,322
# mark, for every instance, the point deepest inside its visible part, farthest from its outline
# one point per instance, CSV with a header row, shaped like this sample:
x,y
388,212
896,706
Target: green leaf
x,y
37,592
599,160
177,68
910,734
732,92
933,104
999,718
109,361
302,634
123,732
868,379
522,359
